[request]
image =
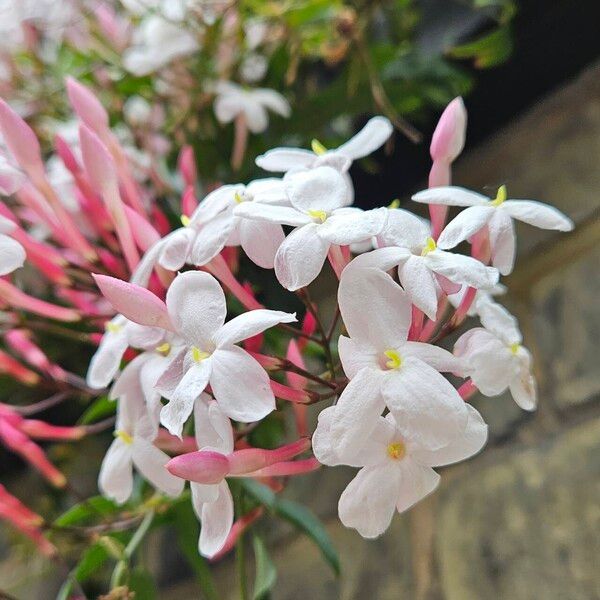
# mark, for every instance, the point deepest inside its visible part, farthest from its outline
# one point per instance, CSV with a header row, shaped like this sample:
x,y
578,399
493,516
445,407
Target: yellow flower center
x,y
123,435
514,348
395,361
429,246
500,196
113,327
318,214
238,198
318,148
199,355
396,450
185,220
164,349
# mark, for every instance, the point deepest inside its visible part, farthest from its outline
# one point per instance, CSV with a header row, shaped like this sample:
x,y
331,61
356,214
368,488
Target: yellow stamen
x,y
318,214
185,220
500,196
430,246
120,433
318,148
199,355
395,361
396,450
113,327
164,349
514,348
394,203
238,198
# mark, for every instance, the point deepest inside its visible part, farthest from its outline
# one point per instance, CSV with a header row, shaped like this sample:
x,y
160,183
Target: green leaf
x,y
304,520
93,558
93,507
142,583
489,50
261,493
99,409
266,573
65,589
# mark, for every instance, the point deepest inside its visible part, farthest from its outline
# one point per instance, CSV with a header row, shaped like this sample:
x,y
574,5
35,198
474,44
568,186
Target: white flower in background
x,y
12,254
137,111
320,214
255,32
495,358
481,296
423,269
134,434
396,466
254,67
371,137
497,214
387,370
156,43
233,100
212,503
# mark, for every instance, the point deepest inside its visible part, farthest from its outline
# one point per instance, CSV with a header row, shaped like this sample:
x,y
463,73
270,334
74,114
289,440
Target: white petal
x,y
356,355
202,493
142,273
416,482
216,202
212,426
381,258
272,100
372,136
169,380
464,225
227,108
284,215
349,226
323,188
426,406
176,248
462,269
196,305
240,385
469,443
385,323
524,390
12,255
438,358
6,225
257,118
176,412
500,322
217,520
282,160
404,229
211,238
105,363
451,196
150,462
502,241
260,241
420,285
369,501
249,324
116,479
537,214
301,257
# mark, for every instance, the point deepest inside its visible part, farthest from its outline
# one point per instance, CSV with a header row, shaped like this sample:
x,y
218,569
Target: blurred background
x,y
522,520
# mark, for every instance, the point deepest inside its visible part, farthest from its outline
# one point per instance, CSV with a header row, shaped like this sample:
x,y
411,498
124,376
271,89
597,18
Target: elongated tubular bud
x,y
88,108
203,466
298,382
186,164
237,529
288,468
18,299
13,368
144,234
13,506
189,203
246,461
173,445
44,431
338,259
19,340
283,392
270,363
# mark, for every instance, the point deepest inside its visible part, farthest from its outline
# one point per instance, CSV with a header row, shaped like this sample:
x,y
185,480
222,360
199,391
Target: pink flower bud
x,y
11,367
204,466
144,234
244,462
284,392
114,28
186,164
87,106
449,136
98,162
188,202
19,340
44,431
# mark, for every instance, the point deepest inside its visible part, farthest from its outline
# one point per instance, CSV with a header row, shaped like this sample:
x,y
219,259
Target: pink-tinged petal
x,y
471,441
240,385
464,225
98,162
323,188
143,232
211,426
217,520
243,462
12,255
448,138
450,196
359,408
11,179
448,287
284,215
260,241
196,304
350,226
301,257
438,358
134,302
537,214
420,285
250,324
151,463
503,242
462,269
180,406
87,106
369,502
372,136
204,466
425,405
416,482
385,324
282,160
116,478
356,355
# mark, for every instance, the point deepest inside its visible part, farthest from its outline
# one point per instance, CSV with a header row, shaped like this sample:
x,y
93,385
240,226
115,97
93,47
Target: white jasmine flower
x,y
12,254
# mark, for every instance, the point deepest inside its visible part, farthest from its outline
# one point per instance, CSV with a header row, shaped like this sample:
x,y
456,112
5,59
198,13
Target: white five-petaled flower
x,y
12,254
423,269
321,216
133,446
396,467
233,100
495,358
497,214
387,370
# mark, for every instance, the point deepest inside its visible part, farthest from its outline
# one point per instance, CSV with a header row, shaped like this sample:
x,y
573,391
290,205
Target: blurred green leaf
x,y
99,409
142,583
266,573
93,507
261,493
487,51
93,558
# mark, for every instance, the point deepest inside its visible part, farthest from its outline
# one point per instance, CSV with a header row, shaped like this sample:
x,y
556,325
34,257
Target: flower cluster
x,y
191,384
